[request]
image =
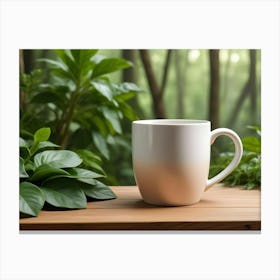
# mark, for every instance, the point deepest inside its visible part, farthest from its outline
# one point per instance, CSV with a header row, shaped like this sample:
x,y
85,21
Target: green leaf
x,y
101,144
46,171
48,97
83,173
72,67
29,165
87,154
249,186
80,174
54,63
100,125
97,58
76,55
83,57
100,191
126,91
57,159
31,199
22,171
47,144
113,118
91,160
23,143
251,144
128,111
109,65
64,192
104,89
42,134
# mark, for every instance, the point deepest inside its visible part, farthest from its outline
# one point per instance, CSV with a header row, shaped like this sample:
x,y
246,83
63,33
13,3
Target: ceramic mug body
x,y
171,159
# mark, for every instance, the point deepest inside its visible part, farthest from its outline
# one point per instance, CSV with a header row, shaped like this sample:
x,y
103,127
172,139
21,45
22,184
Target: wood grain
x,y
221,208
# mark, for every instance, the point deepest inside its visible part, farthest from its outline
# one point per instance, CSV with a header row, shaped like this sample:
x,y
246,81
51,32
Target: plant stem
x,y
68,119
32,151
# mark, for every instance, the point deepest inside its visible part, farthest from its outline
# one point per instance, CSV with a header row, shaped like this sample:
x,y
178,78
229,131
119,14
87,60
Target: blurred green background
x,y
89,98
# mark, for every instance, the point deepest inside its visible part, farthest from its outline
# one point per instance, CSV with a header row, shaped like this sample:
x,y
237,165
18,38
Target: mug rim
x,y
183,122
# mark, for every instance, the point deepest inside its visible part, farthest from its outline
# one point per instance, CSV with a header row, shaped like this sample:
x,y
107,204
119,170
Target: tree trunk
x,y
156,90
224,92
253,84
249,87
130,75
180,83
21,70
28,61
214,102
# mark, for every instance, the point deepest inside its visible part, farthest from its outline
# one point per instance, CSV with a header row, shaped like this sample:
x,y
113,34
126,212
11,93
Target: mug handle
x,y
237,155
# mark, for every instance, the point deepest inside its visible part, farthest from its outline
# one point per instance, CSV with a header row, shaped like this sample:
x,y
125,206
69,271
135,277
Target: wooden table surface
x,y
221,208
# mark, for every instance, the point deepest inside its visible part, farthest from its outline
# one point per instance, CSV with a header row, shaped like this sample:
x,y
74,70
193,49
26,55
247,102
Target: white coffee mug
x,y
171,159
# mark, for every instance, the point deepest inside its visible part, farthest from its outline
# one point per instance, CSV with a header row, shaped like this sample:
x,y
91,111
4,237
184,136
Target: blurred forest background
x,y
222,86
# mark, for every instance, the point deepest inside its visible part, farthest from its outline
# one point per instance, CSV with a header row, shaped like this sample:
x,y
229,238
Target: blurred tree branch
x,y
214,96
130,75
180,71
21,70
157,91
249,88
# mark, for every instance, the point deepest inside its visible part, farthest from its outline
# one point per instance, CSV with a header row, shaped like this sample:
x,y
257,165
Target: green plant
x,y
79,102
248,172
55,177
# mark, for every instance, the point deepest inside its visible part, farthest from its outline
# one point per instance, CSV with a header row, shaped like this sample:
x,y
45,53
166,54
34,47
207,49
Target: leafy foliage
x,y
54,176
248,172
79,102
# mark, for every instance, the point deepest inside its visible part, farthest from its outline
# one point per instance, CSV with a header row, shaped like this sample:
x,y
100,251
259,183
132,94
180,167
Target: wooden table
x,y
221,208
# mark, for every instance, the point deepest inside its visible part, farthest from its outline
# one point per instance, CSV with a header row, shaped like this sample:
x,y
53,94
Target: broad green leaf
x,y
99,191
29,165
95,166
109,65
64,192
68,60
83,56
22,171
124,96
128,111
104,89
97,58
57,159
87,181
76,55
46,171
126,91
47,144
100,124
129,87
113,118
251,144
48,97
23,143
80,174
60,73
83,173
91,160
101,144
87,154
31,199
54,63
42,134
